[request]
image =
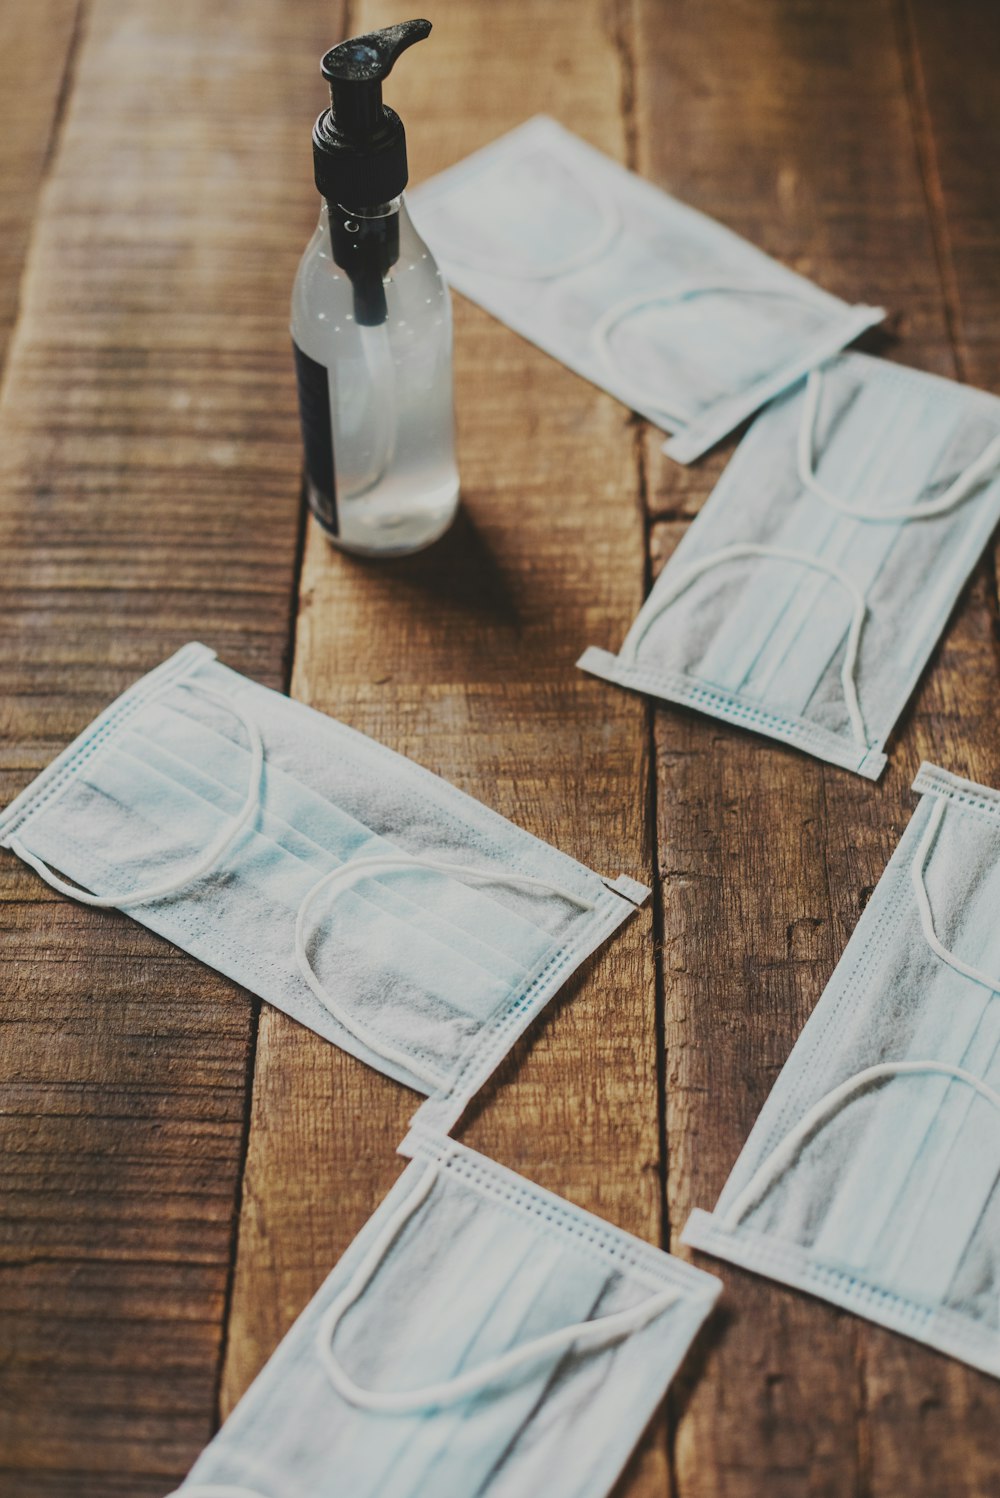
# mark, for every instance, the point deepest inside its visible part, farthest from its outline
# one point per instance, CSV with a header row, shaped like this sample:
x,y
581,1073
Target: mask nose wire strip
x,y
361,868
927,915
216,849
960,487
656,604
586,1335
608,229
646,395
784,1153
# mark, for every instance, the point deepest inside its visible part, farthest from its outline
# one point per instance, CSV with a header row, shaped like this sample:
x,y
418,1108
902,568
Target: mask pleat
x,y
526,217
768,640
416,981
308,824
426,964
872,1174
961,881
687,350
410,992
103,837
882,1163
925,576
581,256
973,1292
447,1323
466,1440
396,799
801,653
462,1263
436,905
282,878
790,617
777,518
548,1452
956,1164
959,1163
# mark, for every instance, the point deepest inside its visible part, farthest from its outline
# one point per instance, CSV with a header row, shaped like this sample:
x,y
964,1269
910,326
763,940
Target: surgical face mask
x,y
480,1336
872,1176
358,892
806,597
680,318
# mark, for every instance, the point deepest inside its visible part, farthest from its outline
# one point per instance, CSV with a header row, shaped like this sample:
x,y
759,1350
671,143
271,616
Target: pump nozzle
x,y
359,146
354,71
359,155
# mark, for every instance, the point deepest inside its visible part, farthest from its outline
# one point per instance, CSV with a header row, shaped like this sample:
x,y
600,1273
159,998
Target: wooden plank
x,y
950,1438
148,423
766,857
953,56
770,120
463,658
149,482
37,47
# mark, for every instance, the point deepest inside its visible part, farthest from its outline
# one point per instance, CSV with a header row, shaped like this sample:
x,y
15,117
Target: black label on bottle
x,y
317,437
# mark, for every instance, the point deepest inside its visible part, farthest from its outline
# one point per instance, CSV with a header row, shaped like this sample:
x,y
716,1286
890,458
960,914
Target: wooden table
x,y
181,1166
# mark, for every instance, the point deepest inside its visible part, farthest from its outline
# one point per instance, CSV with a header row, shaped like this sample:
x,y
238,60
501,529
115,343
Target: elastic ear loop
x,y
641,394
960,487
212,854
362,868
586,1335
784,1153
927,915
659,601
608,230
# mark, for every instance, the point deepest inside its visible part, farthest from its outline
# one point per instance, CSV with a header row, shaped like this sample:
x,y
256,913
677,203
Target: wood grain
x,y
149,493
149,482
767,857
37,51
954,54
945,1424
463,658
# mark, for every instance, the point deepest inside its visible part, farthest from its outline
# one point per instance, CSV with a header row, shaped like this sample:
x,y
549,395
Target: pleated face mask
x,y
675,315
805,599
872,1176
358,892
480,1336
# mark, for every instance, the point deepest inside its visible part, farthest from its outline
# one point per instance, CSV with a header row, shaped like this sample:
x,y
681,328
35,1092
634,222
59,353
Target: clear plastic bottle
x,y
371,324
388,386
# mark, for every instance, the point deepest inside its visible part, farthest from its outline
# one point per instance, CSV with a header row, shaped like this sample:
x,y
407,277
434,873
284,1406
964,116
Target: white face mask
x,y
872,1176
652,301
806,597
343,883
479,1336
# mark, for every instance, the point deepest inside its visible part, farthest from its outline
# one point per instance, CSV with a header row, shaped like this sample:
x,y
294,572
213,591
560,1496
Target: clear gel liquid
x,y
390,394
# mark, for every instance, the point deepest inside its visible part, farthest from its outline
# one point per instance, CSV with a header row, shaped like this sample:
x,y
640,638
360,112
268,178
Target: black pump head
x,y
359,145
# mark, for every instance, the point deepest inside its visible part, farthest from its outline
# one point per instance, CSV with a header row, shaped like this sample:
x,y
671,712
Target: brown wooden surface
x,y
180,1167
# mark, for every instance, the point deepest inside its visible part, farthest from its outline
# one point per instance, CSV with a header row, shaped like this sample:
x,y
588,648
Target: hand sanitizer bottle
x,y
371,325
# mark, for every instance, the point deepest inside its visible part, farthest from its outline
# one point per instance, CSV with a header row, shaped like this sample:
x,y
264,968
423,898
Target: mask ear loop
x,y
211,855
586,1336
958,490
660,600
927,915
362,868
784,1153
642,395
609,227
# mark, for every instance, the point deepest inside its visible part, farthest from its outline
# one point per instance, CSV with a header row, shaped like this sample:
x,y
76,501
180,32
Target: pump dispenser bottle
x,y
371,325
